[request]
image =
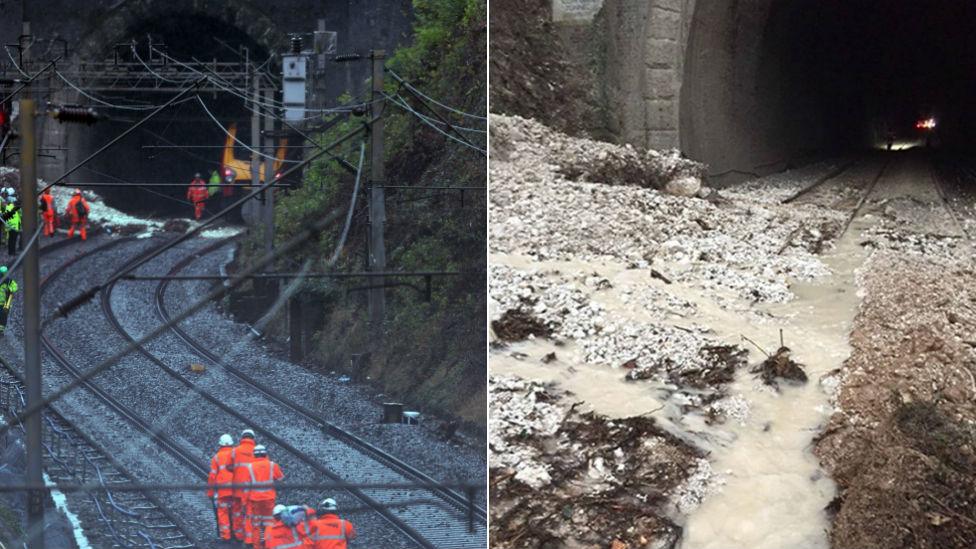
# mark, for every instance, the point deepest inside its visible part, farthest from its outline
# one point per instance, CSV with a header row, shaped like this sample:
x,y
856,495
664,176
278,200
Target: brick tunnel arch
x,y
184,25
752,86
114,26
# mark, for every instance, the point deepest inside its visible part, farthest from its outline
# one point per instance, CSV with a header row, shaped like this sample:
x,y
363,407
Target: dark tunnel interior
x,y
185,35
772,83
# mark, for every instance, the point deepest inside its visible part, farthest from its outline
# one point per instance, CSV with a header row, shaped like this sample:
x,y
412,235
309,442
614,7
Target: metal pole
x,y
255,140
269,173
32,324
295,332
377,202
269,151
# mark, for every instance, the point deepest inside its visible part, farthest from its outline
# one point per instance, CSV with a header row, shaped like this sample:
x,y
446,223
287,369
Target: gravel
x,y
86,338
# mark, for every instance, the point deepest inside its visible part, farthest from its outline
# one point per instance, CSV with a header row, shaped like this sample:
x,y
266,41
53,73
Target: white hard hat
x,y
260,450
328,504
226,440
247,433
278,509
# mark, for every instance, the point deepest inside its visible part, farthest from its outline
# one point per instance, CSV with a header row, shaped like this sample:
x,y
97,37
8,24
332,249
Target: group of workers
x,y
241,485
77,210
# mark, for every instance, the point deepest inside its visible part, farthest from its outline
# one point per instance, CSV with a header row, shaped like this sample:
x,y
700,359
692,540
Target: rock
x,y
683,186
704,192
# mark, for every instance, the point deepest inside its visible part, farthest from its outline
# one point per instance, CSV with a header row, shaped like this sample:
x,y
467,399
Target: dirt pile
x,y
578,159
560,478
901,445
531,74
739,244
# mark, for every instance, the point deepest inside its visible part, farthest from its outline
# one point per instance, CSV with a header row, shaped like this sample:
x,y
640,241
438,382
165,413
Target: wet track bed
x,y
134,452
348,406
162,401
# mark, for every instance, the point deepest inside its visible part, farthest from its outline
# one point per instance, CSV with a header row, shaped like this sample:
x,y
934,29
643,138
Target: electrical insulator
x,y
296,44
74,113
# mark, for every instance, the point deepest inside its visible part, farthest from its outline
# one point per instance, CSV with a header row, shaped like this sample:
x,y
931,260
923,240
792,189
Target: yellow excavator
x,y
234,170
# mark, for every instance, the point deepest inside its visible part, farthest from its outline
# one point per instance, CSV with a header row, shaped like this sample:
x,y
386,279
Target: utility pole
x,y
377,199
32,324
32,307
269,173
255,135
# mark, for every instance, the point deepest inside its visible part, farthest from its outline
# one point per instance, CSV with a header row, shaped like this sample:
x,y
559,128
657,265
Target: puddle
x,y
771,491
601,389
774,492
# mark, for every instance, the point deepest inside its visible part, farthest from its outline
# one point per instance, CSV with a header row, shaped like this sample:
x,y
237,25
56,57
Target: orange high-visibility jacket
x,y
243,453
281,536
48,202
261,474
73,210
221,472
330,532
197,191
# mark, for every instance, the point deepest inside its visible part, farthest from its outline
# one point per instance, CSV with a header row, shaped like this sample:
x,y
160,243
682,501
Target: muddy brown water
x,y
770,492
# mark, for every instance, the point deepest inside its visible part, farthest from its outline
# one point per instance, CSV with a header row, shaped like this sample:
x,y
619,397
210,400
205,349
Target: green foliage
x,y
433,353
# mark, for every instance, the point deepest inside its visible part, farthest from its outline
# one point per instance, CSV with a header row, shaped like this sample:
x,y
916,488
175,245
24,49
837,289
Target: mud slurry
x,y
645,297
891,381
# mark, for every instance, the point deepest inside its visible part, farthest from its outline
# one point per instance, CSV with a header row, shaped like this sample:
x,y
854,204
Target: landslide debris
x,y
561,478
580,159
901,445
739,244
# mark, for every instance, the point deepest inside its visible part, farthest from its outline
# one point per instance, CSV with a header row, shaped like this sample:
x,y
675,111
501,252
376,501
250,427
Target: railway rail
x,y
428,516
809,194
128,518
460,513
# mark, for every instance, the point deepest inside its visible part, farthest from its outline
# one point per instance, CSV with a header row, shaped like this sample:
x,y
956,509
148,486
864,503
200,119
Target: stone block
x,y
661,53
665,24
662,139
661,114
661,83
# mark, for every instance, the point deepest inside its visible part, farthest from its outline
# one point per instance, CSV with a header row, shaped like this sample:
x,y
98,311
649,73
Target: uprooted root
x,y
780,366
716,368
610,483
516,325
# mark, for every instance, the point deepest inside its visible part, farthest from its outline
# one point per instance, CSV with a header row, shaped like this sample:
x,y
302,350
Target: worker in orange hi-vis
x,y
198,194
222,474
285,532
48,212
78,211
260,499
327,530
243,453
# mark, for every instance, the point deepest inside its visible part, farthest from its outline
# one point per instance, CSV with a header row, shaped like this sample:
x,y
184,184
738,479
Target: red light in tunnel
x,y
925,124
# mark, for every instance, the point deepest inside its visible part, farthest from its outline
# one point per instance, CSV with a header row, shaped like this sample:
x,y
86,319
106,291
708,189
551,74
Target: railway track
x,y
818,191
441,524
428,516
959,176
129,518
